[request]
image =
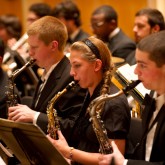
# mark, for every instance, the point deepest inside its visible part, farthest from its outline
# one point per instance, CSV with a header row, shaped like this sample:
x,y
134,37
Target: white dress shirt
x,y
44,78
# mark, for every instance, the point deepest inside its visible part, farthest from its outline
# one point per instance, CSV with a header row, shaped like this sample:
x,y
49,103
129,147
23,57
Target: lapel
x,y
52,85
80,36
149,104
112,41
160,121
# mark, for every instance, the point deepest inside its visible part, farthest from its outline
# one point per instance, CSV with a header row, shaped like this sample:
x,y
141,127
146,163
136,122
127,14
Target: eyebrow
x,y
141,62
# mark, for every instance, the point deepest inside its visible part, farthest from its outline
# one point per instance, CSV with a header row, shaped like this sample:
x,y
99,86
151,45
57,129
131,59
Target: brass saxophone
x,y
95,118
53,120
12,98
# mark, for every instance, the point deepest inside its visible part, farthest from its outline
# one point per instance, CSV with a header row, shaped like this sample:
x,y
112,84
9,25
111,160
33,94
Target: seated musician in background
x,y
10,30
4,85
47,37
104,23
150,57
69,13
91,66
35,11
147,21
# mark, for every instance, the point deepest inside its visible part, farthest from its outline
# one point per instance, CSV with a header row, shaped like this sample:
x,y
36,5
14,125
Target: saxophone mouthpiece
x,y
130,86
31,62
71,85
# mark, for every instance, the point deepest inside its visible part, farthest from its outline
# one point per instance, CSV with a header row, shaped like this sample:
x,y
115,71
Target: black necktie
x,y
39,91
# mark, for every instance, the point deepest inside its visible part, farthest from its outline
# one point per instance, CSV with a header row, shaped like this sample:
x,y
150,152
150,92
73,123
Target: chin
x,y
82,85
147,86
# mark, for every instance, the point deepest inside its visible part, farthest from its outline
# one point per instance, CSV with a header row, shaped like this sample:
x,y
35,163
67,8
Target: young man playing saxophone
x,y
47,37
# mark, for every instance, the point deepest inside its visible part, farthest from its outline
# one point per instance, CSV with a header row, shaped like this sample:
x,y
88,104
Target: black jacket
x,y
68,106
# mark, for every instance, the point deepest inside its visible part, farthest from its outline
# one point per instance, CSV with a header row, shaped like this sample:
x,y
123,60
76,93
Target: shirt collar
x,y
160,100
45,74
114,32
74,34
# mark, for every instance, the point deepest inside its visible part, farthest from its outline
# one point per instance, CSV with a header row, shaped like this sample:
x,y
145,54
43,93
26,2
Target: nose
x,y
31,53
135,28
136,71
72,73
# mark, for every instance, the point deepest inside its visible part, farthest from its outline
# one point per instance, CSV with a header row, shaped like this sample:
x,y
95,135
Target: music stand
x,y
29,144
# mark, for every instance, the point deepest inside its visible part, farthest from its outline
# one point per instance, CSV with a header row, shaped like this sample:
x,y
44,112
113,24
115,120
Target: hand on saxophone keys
x,y
21,113
61,145
116,158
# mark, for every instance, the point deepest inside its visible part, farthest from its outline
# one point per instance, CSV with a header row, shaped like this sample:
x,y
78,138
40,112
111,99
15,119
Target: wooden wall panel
x,y
11,7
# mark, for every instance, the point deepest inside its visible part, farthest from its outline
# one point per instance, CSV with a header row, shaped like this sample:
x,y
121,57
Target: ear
x,y
54,45
113,24
98,65
155,29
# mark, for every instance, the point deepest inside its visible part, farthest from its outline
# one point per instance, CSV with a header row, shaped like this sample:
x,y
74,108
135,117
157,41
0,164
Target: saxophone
x,y
53,120
12,98
95,118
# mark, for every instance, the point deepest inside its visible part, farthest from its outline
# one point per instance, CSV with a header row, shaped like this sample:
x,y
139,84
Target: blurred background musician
x,y
36,11
147,21
10,31
69,13
104,24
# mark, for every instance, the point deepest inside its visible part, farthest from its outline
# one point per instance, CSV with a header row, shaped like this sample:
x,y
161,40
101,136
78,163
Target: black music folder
x,y
29,144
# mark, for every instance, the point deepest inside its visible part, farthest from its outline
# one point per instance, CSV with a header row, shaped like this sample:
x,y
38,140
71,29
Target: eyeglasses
x,y
97,24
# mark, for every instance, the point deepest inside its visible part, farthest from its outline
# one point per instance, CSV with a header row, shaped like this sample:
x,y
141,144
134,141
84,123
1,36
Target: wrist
x,y
71,153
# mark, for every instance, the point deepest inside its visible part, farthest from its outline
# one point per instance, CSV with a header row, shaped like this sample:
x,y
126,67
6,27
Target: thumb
x,y
114,146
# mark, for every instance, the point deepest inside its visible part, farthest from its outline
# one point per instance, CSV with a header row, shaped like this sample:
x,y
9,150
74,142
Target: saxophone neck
x,y
53,120
18,71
